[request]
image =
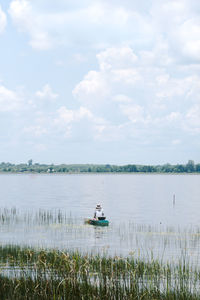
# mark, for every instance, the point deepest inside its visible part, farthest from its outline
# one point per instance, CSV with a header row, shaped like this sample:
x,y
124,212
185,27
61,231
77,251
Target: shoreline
x,y
98,173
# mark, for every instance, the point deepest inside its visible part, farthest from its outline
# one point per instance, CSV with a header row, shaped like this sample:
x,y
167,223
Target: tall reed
x,y
45,274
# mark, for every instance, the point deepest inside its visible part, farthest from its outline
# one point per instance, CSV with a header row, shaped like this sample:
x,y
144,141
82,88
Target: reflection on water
x,y
99,232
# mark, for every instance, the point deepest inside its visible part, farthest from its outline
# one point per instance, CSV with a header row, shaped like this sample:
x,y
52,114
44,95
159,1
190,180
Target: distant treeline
x,y
190,167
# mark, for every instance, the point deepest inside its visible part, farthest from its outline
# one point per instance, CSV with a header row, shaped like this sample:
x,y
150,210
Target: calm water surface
x,y
140,208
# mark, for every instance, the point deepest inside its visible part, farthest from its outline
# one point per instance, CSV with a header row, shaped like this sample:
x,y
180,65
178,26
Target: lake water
x,y
144,220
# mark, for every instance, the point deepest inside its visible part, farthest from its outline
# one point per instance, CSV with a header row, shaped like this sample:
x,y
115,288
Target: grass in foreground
x,y
40,274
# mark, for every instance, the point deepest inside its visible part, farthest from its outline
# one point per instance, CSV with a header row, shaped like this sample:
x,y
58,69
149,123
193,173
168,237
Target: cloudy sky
x,y
93,81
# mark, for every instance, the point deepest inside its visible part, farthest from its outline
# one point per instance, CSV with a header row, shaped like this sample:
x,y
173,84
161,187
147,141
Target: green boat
x,y
97,222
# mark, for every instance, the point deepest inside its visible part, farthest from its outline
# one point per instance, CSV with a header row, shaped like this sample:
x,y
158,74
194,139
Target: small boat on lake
x,y
99,218
97,222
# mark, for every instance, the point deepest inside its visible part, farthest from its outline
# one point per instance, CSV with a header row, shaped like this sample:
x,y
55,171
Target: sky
x,y
93,81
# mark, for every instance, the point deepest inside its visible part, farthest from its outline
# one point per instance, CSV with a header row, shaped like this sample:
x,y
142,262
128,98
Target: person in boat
x,y
99,214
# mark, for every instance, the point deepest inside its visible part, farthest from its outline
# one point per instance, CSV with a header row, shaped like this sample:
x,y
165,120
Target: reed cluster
x,y
39,217
27,273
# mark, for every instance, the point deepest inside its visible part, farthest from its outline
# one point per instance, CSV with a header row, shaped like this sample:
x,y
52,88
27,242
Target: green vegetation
x,y
44,274
190,167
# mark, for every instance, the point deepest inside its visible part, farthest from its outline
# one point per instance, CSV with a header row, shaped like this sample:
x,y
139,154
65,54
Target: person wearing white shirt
x,y
99,214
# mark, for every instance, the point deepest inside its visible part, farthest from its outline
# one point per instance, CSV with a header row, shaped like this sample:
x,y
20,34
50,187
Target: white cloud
x,y
122,98
36,131
177,23
164,31
114,65
173,116
116,58
46,93
108,133
9,100
3,20
27,20
93,87
134,112
189,34
143,83
79,24
41,41
80,124
143,96
68,116
127,76
193,119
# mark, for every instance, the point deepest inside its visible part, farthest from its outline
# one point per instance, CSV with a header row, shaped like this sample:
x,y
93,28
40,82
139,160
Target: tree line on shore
x,y
30,167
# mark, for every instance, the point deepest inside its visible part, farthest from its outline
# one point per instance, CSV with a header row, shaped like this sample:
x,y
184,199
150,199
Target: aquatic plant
x,y
48,274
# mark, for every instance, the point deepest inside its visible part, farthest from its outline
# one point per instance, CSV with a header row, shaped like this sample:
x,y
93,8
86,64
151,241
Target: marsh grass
x,y
45,274
13,216
146,272
60,230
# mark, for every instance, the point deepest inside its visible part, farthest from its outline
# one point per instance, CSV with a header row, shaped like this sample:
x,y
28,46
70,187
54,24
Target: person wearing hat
x,y
99,214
